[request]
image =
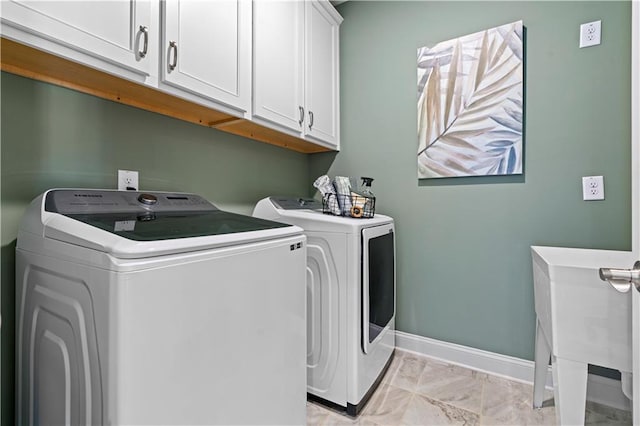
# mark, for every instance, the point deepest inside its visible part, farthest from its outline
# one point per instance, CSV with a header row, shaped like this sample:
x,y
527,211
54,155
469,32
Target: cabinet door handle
x,y
173,46
301,115
145,33
310,119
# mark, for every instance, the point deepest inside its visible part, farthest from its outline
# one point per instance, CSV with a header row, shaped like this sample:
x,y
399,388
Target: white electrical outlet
x,y
592,188
590,34
127,180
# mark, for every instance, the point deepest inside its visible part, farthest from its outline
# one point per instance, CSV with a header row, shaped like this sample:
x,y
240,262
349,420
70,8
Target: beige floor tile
x,y
408,371
319,415
335,419
316,414
506,402
425,411
387,406
598,414
452,384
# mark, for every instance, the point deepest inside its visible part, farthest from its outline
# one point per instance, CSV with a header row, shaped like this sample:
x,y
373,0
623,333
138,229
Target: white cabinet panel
x,y
278,42
113,26
321,74
207,48
113,31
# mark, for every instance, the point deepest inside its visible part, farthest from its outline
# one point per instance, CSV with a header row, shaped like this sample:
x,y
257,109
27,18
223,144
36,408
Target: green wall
x,y
54,137
463,256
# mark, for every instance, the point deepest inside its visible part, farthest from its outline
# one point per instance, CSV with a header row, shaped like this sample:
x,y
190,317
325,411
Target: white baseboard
x,y
599,389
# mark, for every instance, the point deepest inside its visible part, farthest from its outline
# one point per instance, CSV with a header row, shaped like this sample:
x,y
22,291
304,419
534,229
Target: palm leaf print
x,y
470,92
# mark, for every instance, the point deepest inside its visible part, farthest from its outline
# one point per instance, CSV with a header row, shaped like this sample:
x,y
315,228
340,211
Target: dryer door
x,y
378,283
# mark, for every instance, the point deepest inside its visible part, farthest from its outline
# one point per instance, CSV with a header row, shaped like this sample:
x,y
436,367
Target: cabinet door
x,y
278,61
321,73
113,31
207,49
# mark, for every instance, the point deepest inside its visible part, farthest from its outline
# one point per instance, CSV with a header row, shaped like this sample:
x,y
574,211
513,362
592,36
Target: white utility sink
x,y
581,320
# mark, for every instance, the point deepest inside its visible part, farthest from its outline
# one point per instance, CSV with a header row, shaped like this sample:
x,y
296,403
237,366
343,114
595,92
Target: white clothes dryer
x,y
350,299
157,308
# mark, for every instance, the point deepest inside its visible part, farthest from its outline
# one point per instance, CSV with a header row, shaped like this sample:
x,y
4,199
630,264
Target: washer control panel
x,y
148,199
94,201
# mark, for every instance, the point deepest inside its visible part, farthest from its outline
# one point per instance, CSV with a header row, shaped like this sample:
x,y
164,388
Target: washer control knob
x,y
148,199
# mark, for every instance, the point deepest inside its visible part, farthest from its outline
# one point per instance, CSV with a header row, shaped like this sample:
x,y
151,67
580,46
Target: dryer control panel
x,y
295,203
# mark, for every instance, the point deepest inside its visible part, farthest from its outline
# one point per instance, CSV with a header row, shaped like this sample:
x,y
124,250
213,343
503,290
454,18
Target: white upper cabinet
x,y
113,35
278,61
295,68
207,51
322,69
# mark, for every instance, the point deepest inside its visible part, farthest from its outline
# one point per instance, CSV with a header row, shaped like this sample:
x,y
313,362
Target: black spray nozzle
x,y
366,181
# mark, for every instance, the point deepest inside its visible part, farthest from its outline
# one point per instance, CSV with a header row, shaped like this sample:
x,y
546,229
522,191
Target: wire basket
x,y
353,205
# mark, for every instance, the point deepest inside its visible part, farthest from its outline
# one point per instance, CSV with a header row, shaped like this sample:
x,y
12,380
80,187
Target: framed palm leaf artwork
x,y
470,105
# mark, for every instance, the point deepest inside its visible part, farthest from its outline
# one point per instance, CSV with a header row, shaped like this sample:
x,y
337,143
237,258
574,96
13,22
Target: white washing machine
x,y
157,308
350,299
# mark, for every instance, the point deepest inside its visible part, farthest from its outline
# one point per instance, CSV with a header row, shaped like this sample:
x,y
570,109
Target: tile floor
x,y
421,391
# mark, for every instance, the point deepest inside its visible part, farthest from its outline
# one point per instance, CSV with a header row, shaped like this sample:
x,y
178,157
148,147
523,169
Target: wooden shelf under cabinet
x,y
28,62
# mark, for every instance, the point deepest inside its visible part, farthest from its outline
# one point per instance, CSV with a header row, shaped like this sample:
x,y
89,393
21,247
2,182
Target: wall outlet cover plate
x,y
127,180
590,34
592,188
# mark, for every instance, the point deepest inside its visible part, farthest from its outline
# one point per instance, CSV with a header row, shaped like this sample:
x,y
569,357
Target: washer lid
x,y
151,216
134,225
169,226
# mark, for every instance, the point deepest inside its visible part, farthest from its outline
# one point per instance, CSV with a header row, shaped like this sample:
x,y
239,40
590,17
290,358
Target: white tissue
x,y
324,185
343,188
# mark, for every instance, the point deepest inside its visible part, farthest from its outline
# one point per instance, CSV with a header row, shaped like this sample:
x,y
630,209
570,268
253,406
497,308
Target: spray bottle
x,y
363,200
